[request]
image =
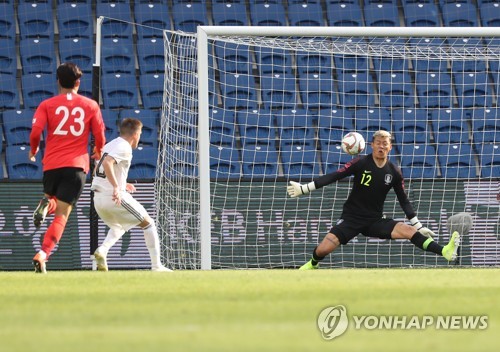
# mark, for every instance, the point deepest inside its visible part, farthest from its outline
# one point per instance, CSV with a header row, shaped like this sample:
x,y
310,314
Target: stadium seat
x,y
317,90
346,63
256,127
9,95
418,161
459,15
19,167
117,56
300,162
421,14
17,126
150,124
119,91
181,161
273,61
295,128
456,160
150,55
333,124
36,88
222,127
344,14
229,14
367,121
233,58
356,89
267,14
190,89
305,14
396,90
152,90
334,158
388,64
430,44
75,20
410,126
7,22
486,125
473,89
110,118
381,15
118,19
37,56
144,163
489,158
238,91
489,14
434,89
224,163
187,16
79,51
85,88
35,20
309,62
8,57
278,91
448,129
259,161
181,128
151,19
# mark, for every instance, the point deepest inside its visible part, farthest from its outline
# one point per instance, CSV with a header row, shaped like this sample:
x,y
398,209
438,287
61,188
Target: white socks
x,y
111,238
153,244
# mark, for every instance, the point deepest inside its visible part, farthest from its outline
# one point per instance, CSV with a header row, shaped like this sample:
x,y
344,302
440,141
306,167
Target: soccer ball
x,y
353,143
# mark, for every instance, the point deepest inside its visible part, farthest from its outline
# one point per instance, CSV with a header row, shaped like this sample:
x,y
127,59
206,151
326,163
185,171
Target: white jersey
x,y
120,150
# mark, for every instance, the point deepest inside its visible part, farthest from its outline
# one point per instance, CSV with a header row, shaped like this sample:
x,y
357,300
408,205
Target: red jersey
x,y
69,118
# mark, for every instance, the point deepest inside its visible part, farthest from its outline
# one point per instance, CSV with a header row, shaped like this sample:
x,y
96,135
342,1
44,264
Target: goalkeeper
x,y
374,175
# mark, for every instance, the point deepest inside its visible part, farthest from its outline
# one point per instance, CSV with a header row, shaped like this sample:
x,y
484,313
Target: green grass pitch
x,y
247,310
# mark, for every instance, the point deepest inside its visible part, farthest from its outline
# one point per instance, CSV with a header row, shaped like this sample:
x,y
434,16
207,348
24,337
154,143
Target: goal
x,y
247,109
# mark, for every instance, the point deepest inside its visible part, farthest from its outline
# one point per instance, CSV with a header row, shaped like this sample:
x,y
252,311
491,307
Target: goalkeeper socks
x,y
316,258
426,243
111,238
153,244
53,234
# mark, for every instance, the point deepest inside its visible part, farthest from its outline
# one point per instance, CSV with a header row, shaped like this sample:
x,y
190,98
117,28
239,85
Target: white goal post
x,y
207,194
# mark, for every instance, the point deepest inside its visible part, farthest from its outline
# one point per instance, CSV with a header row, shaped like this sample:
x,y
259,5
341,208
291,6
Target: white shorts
x,y
125,216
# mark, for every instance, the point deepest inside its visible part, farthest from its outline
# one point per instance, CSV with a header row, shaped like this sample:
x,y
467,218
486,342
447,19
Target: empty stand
x,y
19,167
75,20
151,19
36,88
37,55
119,91
79,51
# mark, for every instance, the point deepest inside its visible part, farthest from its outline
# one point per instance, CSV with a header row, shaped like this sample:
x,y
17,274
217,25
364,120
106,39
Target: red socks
x,y
53,234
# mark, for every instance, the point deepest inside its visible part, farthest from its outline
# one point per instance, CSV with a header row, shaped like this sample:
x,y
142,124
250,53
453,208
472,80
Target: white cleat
x,y
102,263
161,268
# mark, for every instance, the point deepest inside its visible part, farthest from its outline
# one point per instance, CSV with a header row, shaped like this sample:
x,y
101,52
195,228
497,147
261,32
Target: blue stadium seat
x,y
152,90
37,55
8,57
144,161
305,14
151,56
396,89
317,90
450,126
459,15
75,20
486,125
85,88
367,121
79,51
489,14
9,95
300,162
410,126
117,21
421,14
456,160
333,124
344,14
356,89
418,161
238,91
233,58
150,124
222,128
36,88
224,163
381,15
17,126
434,65
259,161
187,16
334,158
110,118
295,128
229,14
148,17
181,161
309,62
267,14
434,89
256,127
181,131
273,61
7,22
117,55
278,91
390,64
489,159
19,167
346,63
119,91
35,20
461,66
473,89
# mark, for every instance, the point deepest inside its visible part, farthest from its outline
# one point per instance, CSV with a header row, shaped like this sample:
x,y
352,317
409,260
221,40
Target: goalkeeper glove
x,y
420,228
296,189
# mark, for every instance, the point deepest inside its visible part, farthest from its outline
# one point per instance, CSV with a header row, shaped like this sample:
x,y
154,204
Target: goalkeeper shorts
x,y
349,227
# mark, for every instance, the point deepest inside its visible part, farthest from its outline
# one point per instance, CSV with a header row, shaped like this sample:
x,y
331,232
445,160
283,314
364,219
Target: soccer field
x,y
248,310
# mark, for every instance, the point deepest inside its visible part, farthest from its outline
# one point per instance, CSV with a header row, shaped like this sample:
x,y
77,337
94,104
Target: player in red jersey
x,y
69,119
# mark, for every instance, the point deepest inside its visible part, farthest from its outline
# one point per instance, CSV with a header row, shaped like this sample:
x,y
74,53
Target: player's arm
x,y
39,122
98,130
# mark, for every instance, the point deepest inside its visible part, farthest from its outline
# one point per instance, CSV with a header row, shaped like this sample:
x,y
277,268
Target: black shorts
x,y
65,183
349,227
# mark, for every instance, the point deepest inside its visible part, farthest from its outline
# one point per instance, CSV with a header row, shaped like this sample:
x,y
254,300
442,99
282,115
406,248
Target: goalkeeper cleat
x,y
39,263
450,250
100,258
161,268
309,266
41,212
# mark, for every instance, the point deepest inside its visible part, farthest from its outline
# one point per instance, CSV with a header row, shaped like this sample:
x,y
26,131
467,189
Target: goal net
x,y
248,109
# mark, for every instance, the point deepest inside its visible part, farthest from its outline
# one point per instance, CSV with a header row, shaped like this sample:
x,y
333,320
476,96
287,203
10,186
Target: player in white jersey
x,y
113,201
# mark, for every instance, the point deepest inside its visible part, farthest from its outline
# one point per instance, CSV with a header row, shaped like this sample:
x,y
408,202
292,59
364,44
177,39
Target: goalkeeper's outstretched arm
x,y
296,189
